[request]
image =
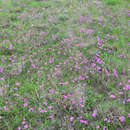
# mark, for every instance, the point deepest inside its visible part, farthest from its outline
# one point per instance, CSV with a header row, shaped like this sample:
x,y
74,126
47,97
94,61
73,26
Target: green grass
x,y
37,58
113,2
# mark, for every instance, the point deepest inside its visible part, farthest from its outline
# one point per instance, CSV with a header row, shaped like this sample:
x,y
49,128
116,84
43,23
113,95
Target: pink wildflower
x,y
120,93
122,118
105,119
73,101
19,128
11,47
45,110
64,96
104,128
16,94
112,96
82,105
97,127
41,86
120,83
89,31
45,103
53,37
26,126
94,113
51,90
23,122
124,102
108,121
81,100
50,116
128,100
115,73
83,121
49,107
70,35
31,109
1,69
66,82
5,108
71,119
25,105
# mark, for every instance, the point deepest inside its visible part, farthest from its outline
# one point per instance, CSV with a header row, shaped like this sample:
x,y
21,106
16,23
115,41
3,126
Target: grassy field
x,y
64,65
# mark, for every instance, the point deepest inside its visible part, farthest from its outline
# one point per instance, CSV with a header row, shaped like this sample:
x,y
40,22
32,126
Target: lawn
x,y
64,65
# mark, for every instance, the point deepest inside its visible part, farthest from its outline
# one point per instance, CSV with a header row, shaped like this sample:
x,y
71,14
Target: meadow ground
x,y
64,65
